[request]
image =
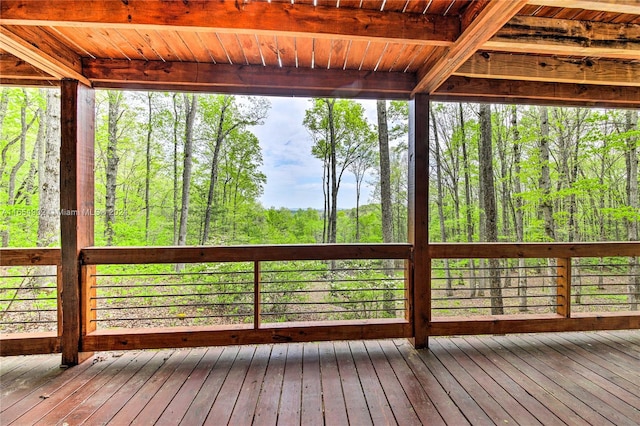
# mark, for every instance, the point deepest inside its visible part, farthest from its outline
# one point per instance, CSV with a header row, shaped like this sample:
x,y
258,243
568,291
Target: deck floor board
x,y
550,379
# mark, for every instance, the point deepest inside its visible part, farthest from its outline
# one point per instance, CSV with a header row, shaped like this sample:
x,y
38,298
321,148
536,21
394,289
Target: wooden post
x,y
256,295
76,208
563,283
418,193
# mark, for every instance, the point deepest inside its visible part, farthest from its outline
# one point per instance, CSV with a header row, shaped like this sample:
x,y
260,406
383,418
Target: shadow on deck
x,y
572,378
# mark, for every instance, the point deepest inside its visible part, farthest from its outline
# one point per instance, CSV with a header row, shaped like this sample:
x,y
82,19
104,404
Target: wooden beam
x,y
551,69
237,16
244,334
616,6
261,253
465,89
543,323
29,343
479,25
49,55
533,250
29,256
418,218
76,206
565,37
12,67
247,79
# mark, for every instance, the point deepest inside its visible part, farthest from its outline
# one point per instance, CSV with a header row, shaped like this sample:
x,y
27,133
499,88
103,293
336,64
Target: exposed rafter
x,y
479,26
551,69
48,55
530,34
616,6
13,68
509,91
237,17
248,79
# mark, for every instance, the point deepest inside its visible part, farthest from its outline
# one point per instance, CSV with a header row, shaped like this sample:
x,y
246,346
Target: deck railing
x,y
198,296
30,308
134,298
537,287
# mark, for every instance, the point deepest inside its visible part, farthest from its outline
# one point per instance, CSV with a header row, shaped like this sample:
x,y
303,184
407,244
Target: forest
x,y
187,169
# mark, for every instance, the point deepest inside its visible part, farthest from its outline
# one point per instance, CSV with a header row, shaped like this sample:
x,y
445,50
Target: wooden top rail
x,y
29,256
191,254
532,250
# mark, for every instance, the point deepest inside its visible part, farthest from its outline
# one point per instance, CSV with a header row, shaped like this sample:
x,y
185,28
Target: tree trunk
x,y
440,201
176,121
112,165
473,280
631,124
546,204
517,211
190,106
49,174
214,171
489,205
385,173
333,218
147,175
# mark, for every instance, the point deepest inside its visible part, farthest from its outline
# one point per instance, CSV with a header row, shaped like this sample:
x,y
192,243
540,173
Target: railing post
x,y
418,211
256,295
88,313
563,285
76,208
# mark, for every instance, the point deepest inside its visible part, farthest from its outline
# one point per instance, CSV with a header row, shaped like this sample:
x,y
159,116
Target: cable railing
x,y
247,294
502,287
30,309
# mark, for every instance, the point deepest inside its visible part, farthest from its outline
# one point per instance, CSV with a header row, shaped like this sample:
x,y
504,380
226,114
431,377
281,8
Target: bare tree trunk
x,y
489,205
112,165
333,218
631,124
49,174
440,201
385,173
473,281
147,175
517,211
176,121
546,204
191,105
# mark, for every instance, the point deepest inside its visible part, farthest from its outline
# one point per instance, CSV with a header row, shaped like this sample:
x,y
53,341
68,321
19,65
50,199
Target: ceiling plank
x,y
552,69
237,17
617,6
13,68
479,25
528,92
192,76
530,34
47,56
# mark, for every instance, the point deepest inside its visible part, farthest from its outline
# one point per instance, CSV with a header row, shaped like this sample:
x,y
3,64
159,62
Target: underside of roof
x,y
572,52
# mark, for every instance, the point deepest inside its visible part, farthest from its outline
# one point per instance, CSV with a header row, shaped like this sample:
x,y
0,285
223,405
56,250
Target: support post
x,y
418,206
76,209
563,283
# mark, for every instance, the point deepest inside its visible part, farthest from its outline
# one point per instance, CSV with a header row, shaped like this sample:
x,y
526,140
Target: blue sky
x,y
294,176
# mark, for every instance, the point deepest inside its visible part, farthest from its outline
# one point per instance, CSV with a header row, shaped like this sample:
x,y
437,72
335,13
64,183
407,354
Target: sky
x,y
294,175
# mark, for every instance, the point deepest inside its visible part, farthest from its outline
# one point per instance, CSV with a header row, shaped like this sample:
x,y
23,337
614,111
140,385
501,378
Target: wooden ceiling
x,y
583,52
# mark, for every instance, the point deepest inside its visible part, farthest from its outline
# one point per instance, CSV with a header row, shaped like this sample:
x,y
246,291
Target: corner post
x,y
76,208
418,210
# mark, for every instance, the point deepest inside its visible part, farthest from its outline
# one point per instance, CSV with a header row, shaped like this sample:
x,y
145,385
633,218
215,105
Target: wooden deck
x,y
572,378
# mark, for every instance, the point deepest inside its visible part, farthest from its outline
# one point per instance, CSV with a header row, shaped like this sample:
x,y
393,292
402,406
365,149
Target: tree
x,y
49,173
518,216
385,172
222,115
488,204
338,128
190,107
115,113
631,219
